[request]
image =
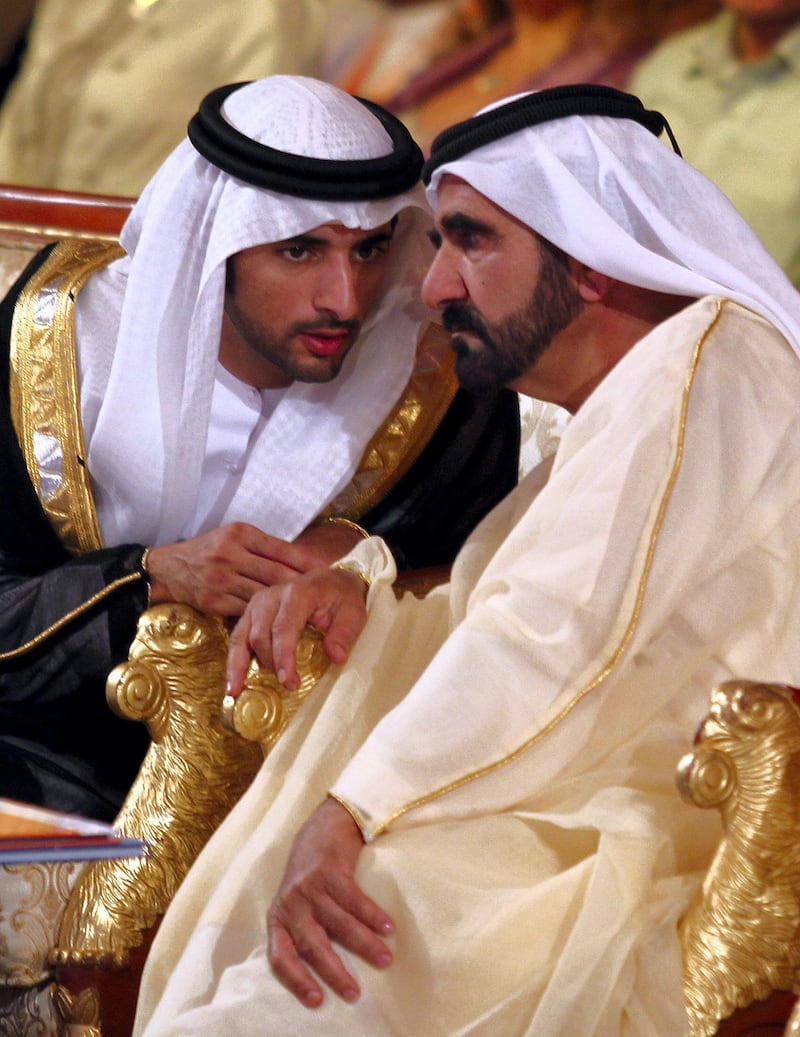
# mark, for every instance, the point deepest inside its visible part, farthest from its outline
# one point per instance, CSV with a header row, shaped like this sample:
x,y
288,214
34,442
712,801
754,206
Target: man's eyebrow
x,y
301,239
378,238
310,240
458,222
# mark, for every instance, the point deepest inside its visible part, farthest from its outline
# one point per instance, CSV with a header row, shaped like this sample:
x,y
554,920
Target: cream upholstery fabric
x,y
32,899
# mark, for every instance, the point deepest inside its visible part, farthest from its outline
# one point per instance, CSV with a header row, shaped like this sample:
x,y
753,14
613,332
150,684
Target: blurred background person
x,y
414,36
538,44
731,91
105,89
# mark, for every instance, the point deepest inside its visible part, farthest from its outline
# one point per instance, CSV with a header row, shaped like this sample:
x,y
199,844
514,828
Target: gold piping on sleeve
x,y
351,810
59,624
629,630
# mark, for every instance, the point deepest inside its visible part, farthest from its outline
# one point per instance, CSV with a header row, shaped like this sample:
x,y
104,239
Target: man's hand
x,y
219,571
329,540
319,901
332,600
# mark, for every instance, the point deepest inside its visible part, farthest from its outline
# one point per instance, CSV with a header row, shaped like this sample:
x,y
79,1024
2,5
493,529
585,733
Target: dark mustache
x,y
459,316
352,327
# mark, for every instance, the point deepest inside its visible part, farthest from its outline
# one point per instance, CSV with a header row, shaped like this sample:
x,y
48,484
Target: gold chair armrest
x,y
196,768
264,708
741,934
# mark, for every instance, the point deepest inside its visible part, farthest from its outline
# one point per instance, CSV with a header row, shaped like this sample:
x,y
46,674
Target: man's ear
x,y
592,286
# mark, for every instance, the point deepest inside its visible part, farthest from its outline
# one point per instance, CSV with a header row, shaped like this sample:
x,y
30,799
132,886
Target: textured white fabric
x,y
541,898
609,193
147,405
237,412
541,427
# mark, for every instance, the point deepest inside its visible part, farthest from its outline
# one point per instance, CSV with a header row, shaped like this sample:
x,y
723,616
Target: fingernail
x,y
383,960
312,998
350,994
282,676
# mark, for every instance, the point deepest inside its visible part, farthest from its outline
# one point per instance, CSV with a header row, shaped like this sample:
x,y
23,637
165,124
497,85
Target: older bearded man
x,y
495,845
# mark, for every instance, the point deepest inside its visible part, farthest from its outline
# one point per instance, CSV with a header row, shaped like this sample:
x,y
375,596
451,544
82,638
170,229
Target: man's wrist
x,y
353,567
146,574
370,560
152,565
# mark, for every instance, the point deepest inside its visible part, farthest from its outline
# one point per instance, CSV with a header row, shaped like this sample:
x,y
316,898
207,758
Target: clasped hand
x,y
219,571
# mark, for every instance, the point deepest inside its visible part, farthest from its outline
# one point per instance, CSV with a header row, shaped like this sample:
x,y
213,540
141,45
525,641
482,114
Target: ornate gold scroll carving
x,y
195,770
741,934
80,1012
264,708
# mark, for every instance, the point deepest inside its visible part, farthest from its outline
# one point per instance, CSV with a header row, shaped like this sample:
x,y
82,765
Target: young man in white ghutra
x,y
207,396
495,843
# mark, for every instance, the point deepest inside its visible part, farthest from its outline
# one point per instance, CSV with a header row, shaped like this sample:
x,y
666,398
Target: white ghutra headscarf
x,y
608,192
148,328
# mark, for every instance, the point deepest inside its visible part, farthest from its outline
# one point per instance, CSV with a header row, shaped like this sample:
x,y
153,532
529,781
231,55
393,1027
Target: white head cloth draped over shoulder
x,y
608,192
147,387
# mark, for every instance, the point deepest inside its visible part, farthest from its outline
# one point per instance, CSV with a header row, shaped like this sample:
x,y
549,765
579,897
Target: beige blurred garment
x,y
107,88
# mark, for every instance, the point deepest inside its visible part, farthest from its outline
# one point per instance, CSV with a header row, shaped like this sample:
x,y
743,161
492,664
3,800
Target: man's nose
x,y
442,283
337,289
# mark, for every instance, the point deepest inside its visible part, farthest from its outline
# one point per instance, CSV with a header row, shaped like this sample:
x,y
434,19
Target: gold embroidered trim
x,y
45,406
40,638
407,429
632,623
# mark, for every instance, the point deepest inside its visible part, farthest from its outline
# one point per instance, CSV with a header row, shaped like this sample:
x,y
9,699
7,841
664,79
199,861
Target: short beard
x,y
278,352
513,346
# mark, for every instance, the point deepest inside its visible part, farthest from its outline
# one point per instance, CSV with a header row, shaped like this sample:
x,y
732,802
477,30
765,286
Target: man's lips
x,y
325,343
